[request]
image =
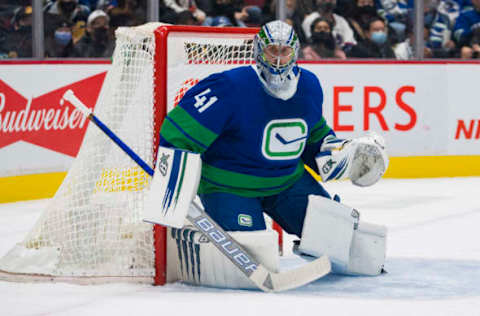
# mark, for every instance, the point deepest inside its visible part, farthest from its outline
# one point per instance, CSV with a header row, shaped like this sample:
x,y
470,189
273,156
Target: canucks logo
x,y
284,139
163,164
245,220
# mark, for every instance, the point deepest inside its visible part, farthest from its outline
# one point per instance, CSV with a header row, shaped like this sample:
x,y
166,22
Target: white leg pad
x,y
191,258
333,229
368,249
328,230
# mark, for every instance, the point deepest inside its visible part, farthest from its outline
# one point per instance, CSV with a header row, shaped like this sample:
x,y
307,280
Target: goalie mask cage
x,y
92,229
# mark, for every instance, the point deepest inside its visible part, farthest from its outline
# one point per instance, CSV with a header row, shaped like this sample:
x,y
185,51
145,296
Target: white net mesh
x,y
92,228
201,55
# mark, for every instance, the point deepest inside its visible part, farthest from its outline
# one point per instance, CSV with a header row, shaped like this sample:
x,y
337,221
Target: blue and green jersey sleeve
x,y
199,118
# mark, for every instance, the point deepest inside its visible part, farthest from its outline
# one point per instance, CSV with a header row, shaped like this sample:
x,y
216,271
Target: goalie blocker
x,y
173,188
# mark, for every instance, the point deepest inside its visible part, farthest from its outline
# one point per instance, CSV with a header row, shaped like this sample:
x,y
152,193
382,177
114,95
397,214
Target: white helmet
x,y
276,51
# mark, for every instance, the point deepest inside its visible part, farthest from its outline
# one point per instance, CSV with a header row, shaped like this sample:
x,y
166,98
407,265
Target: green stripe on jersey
x,y
185,132
319,131
220,180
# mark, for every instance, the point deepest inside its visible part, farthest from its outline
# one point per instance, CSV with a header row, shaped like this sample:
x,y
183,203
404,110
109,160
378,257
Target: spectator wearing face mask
x,y
341,31
18,41
395,13
376,45
69,10
322,42
363,11
58,37
97,41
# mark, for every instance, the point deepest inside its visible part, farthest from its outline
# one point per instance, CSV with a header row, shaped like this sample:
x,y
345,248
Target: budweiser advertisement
x,y
37,133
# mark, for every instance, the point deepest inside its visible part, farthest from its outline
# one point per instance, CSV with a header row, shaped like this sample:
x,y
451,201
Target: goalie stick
x,y
263,278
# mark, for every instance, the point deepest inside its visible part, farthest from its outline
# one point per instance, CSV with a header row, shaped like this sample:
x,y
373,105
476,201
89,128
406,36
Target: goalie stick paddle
x,y
263,278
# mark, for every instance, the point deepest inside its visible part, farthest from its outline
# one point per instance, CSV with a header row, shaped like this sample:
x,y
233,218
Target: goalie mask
x,y
276,52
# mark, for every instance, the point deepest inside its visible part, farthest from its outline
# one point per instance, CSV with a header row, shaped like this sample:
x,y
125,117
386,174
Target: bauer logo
x,y
226,245
42,120
284,139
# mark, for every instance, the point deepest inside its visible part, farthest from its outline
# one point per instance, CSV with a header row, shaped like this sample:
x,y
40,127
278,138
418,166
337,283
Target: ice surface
x,y
433,265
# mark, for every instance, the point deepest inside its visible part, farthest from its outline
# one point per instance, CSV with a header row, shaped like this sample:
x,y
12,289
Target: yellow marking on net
x,y
122,179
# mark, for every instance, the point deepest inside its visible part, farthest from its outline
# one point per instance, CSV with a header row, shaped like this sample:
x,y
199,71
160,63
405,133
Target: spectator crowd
x,y
326,28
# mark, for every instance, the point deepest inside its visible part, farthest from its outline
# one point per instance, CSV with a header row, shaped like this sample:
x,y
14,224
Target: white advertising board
x,y
404,103
422,109
463,116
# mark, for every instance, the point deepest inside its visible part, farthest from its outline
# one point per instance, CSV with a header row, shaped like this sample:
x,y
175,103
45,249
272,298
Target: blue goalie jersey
x,y
252,143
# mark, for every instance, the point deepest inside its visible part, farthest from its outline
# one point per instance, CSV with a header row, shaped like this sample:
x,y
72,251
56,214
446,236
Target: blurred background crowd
x,y
326,28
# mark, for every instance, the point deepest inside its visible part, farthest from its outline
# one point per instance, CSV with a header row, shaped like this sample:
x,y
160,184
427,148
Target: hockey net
x,y
92,230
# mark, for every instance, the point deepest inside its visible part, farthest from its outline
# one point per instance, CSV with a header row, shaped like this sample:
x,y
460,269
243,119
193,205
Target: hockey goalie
x,y
253,129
